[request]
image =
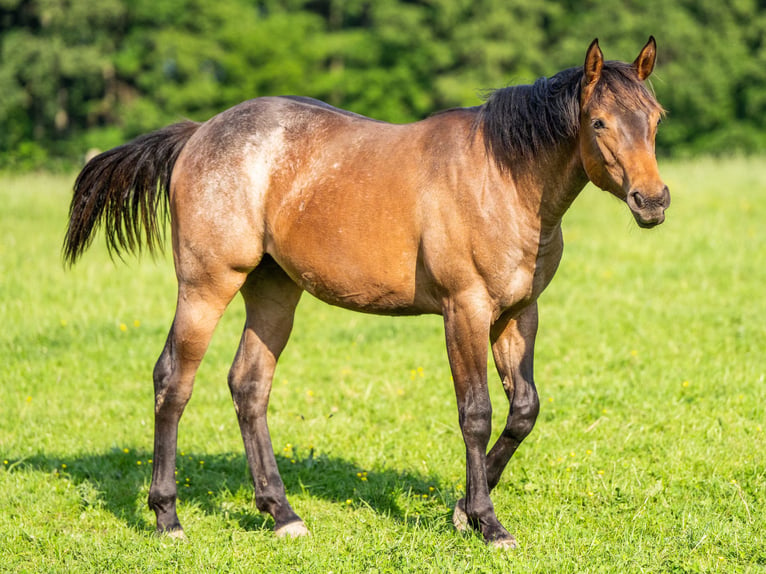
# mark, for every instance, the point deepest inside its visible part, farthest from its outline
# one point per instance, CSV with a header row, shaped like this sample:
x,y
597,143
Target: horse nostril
x,y
665,197
637,199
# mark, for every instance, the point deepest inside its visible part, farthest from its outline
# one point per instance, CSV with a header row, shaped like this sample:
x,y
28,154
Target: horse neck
x,y
551,181
532,134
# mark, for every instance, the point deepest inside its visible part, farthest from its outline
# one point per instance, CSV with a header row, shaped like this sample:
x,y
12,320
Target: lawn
x,y
649,454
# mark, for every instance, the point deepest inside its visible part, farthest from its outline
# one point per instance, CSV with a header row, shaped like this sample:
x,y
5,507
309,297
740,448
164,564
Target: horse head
x,y
618,125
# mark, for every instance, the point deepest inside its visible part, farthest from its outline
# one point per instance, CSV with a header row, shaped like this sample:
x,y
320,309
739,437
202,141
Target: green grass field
x,y
649,454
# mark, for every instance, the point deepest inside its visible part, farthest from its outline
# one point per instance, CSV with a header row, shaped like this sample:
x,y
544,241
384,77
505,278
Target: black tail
x,y
126,189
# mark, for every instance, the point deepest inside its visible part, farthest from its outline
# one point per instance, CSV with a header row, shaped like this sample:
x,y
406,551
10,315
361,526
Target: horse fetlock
x,y
272,500
459,517
169,524
161,501
267,497
167,520
494,533
164,507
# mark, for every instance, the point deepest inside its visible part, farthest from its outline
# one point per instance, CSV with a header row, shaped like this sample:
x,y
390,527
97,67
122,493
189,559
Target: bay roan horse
x,y
458,214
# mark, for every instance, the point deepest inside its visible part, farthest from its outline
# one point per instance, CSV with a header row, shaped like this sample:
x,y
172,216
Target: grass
x,y
648,456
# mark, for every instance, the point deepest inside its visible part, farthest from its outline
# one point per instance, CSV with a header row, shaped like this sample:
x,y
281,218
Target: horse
x,y
458,214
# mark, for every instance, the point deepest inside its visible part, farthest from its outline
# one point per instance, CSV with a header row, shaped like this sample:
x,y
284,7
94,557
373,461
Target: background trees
x,y
76,74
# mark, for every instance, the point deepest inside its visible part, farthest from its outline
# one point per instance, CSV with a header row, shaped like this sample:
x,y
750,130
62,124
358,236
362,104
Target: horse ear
x,y
594,61
644,63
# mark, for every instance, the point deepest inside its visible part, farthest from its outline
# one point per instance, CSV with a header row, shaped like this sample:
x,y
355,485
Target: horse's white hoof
x,y
292,530
459,517
175,534
504,544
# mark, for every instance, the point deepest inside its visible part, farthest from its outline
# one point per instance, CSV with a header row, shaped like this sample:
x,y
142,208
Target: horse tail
x,y
126,190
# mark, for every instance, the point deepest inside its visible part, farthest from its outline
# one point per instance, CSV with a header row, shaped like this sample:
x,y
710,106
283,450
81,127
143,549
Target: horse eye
x,y
659,121
598,124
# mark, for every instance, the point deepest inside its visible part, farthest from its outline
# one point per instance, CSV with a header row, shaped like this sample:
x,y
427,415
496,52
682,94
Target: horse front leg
x,y
513,347
466,322
513,341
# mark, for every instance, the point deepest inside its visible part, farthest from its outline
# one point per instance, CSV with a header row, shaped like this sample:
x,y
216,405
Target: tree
x,y
81,73
54,69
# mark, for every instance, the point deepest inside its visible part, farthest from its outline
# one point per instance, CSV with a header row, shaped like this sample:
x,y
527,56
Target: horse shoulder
x,y
488,231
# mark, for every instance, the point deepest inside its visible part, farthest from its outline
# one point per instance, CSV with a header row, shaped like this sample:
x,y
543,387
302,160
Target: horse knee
x,y
476,421
523,416
519,427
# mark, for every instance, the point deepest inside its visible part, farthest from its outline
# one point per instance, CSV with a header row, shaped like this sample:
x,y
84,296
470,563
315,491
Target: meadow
x,y
649,454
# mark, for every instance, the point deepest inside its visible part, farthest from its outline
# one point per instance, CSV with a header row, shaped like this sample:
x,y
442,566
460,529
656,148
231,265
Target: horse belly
x,y
351,260
348,275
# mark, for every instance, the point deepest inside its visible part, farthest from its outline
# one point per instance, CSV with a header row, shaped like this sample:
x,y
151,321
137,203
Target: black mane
x,y
521,121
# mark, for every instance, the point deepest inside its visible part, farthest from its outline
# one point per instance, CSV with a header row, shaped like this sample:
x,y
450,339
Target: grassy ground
x,y
648,455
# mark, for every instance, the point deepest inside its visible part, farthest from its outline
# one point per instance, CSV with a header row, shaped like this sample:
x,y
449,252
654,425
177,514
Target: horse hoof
x,y
459,517
292,530
177,534
174,533
504,544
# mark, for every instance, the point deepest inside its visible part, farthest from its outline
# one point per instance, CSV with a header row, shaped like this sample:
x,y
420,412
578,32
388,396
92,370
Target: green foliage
x,y
81,73
649,454
55,61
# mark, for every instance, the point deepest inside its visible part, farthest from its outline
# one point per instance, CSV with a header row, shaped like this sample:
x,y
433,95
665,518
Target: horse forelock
x,y
519,122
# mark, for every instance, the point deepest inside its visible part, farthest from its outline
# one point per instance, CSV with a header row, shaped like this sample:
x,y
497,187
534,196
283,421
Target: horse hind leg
x,y
197,313
270,299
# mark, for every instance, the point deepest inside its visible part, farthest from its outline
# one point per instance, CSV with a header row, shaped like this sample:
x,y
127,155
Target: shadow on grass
x,y
113,480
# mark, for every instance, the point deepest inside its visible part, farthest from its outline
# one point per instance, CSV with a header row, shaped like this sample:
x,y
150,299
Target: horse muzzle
x,y
648,209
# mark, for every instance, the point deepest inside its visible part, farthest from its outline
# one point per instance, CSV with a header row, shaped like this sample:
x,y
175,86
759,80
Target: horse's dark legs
x,y
270,298
196,316
466,321
163,491
513,343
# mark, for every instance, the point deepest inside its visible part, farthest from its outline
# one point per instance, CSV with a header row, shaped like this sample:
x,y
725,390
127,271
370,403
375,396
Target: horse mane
x,y
524,120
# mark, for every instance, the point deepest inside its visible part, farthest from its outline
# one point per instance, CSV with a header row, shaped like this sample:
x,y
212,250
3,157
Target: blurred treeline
x,y
77,74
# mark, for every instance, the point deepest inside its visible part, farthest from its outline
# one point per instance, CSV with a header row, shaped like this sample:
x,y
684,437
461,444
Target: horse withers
x,y
458,214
